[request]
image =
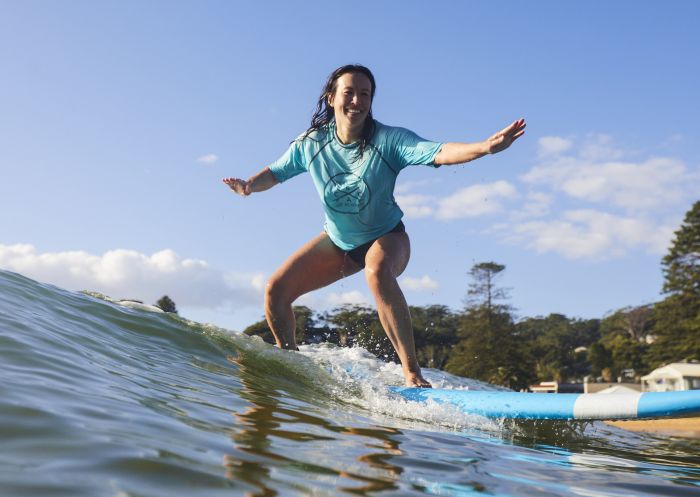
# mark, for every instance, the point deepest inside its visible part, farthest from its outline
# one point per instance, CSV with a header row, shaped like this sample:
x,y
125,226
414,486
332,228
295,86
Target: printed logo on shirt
x,y
346,193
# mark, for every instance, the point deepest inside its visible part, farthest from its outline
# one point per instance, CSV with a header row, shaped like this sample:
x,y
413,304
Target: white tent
x,y
619,389
672,377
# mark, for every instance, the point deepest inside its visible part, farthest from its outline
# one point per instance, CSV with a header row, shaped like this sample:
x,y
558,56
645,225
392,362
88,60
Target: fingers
x,y
504,138
517,126
513,128
237,185
514,131
520,127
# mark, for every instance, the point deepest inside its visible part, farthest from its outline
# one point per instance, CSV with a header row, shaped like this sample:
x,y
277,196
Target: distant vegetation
x,y
166,304
485,341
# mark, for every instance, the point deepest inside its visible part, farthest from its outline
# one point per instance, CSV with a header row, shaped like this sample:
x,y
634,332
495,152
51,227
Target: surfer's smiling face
x,y
352,99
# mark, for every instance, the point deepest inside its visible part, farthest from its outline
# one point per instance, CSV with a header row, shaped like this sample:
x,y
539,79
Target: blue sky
x,y
120,118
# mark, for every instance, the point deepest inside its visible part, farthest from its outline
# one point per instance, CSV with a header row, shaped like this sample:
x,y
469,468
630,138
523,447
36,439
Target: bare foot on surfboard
x,y
415,379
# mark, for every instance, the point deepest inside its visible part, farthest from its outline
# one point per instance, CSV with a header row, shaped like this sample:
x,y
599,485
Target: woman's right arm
x,y
260,182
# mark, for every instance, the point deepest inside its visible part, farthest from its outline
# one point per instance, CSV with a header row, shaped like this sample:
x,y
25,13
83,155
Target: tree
x,y
624,335
306,327
166,304
681,266
483,290
599,358
634,322
435,333
489,348
553,341
261,329
677,327
360,325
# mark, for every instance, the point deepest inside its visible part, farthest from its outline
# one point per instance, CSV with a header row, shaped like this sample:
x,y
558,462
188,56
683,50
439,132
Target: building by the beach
x,y
673,377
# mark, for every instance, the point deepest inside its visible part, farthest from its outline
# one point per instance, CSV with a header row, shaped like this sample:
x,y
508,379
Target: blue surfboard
x,y
519,405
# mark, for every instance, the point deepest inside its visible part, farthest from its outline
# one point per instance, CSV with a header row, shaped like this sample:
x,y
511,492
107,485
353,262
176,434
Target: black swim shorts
x,y
358,253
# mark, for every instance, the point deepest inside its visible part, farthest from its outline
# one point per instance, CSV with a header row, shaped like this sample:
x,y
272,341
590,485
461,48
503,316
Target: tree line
x,y
485,341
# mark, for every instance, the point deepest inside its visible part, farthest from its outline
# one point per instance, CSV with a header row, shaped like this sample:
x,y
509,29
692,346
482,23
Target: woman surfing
x,y
354,161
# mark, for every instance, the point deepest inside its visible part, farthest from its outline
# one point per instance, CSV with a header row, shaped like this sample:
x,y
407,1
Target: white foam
x,y
355,377
362,380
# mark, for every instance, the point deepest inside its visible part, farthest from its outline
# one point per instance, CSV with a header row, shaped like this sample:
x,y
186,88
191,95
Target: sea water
x,y
99,399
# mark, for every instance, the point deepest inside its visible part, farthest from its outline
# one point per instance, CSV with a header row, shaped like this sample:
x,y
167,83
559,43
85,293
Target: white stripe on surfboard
x,y
592,406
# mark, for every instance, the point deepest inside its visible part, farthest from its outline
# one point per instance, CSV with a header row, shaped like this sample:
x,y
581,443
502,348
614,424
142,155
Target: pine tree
x,y
677,326
483,290
489,348
681,266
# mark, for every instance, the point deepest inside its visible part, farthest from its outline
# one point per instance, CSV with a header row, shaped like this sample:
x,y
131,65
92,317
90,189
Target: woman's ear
x,y
329,99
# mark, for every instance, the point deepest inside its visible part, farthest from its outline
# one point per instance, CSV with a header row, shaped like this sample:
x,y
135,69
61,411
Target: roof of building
x,y
618,389
675,370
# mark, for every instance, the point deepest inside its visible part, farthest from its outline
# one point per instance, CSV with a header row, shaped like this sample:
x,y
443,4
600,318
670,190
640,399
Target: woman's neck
x,y
347,133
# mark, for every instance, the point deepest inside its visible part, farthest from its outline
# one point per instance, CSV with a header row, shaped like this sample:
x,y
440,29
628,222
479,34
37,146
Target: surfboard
x,y
519,405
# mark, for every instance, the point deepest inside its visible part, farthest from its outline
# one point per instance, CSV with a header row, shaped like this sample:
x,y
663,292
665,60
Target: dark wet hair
x,y
324,113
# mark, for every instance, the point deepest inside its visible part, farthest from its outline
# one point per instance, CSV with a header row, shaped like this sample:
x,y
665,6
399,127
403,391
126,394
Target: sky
x,y
118,120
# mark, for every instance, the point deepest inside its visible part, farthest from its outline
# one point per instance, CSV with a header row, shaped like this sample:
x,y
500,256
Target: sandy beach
x,y
683,427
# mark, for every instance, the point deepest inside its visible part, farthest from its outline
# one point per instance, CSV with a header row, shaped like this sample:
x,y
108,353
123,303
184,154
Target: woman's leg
x,y
385,261
315,265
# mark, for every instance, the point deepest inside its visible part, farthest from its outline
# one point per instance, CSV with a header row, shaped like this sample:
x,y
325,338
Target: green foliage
x,y
435,333
305,321
360,325
260,329
306,327
635,323
599,358
483,290
624,335
677,326
489,348
681,266
553,341
166,304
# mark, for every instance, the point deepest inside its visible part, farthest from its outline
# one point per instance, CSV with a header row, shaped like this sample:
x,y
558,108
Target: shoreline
x,y
680,427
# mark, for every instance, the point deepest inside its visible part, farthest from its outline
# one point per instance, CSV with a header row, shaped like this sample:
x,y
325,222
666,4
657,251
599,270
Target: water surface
x,y
98,399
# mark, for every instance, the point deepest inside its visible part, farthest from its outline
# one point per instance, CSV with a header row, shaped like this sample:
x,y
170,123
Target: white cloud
x,y
475,200
416,206
592,234
423,284
472,201
553,145
639,196
354,297
595,174
537,204
129,274
407,186
600,147
259,281
208,159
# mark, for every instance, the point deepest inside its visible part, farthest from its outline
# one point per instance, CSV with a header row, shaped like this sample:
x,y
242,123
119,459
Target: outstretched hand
x,y
239,186
504,138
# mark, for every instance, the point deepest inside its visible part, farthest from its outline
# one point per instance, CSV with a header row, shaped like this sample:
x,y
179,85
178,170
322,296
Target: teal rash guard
x,y
357,193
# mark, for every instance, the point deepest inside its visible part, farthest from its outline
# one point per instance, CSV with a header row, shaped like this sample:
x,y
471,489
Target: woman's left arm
x,y
459,153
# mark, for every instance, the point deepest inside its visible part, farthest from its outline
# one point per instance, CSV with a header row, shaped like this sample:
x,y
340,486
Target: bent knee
x,y
277,290
380,271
